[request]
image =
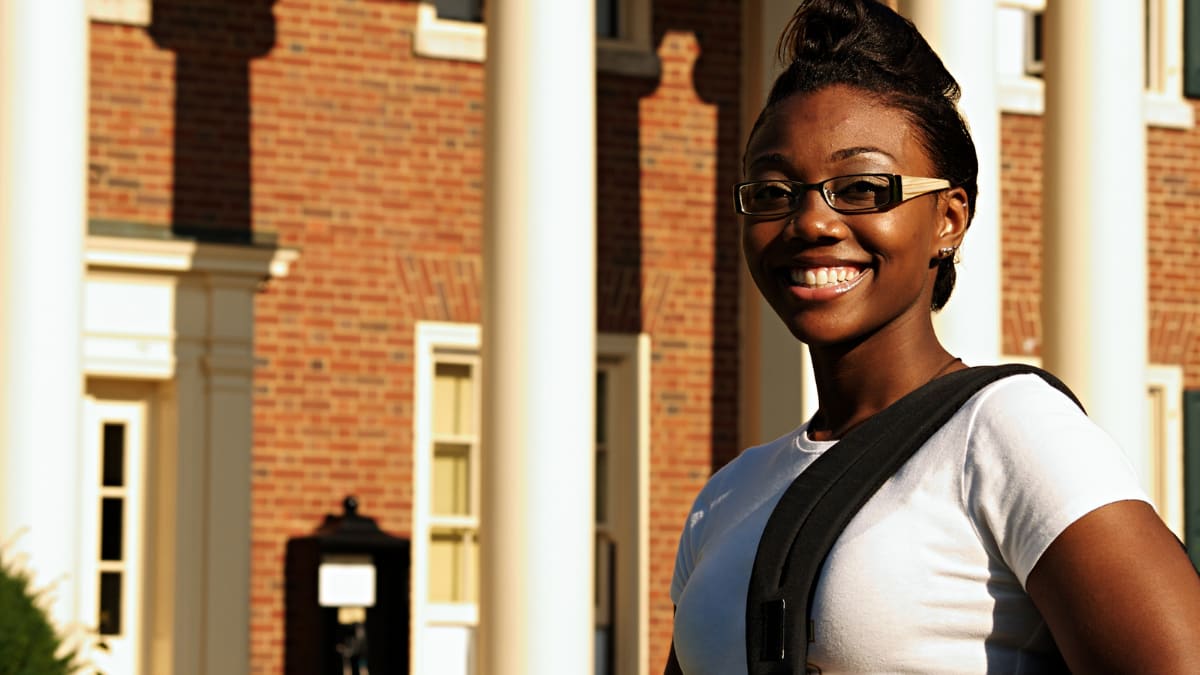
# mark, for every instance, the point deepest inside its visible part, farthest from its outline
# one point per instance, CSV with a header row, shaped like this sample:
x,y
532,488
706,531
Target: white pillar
x,y
539,334
43,197
1094,303
963,34
777,391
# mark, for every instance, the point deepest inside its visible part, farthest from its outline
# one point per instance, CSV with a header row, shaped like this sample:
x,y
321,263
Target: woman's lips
x,y
817,277
815,284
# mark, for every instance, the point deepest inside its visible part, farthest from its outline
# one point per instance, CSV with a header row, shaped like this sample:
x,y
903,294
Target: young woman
x,y
1017,538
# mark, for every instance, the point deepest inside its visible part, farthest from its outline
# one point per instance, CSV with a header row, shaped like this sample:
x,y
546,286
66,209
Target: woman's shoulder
x,y
1033,463
1024,419
758,475
1024,392
1025,407
755,461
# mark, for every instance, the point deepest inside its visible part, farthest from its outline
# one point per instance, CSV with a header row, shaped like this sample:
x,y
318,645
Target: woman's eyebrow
x,y
769,159
847,153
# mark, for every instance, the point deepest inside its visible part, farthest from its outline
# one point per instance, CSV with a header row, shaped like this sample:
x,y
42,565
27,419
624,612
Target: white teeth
x,y
817,277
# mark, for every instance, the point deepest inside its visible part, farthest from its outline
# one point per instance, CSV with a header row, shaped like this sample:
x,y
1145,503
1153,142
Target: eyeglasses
x,y
856,193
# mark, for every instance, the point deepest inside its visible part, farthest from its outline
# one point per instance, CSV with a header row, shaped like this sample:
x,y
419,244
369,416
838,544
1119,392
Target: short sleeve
x,y
1035,464
685,554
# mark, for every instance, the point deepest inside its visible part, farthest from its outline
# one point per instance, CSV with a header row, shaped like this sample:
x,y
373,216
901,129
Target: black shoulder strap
x,y
823,499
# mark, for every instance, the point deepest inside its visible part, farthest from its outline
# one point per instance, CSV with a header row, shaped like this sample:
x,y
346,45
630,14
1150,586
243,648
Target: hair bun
x,y
867,36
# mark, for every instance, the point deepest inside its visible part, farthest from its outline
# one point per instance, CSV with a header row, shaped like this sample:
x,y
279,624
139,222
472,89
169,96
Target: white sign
x,y
346,581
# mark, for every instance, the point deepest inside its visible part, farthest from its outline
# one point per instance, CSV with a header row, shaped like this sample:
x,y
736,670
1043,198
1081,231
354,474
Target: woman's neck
x,y
853,384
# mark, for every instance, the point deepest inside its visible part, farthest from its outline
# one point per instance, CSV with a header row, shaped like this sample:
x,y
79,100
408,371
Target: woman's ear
x,y
953,217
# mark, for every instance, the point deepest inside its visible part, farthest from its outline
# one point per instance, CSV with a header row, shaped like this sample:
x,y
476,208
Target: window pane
x,y
453,565
601,485
453,399
460,10
110,603
1038,35
601,446
1191,66
113,452
112,517
445,561
471,559
451,479
608,18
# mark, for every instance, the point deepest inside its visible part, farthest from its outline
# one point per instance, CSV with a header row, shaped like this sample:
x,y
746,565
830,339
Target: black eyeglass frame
x,y
900,189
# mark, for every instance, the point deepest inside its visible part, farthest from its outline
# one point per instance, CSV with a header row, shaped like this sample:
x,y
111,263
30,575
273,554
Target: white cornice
x,y
182,256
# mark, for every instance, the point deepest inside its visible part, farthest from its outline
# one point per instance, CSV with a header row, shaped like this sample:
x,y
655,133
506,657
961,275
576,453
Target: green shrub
x,y
29,645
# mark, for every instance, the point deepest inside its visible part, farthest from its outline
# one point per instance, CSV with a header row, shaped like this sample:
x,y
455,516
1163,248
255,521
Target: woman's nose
x,y
814,219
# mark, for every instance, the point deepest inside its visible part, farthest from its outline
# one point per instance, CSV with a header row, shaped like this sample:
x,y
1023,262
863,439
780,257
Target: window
x,y
622,533
460,10
453,29
608,14
1020,51
448,448
446,512
114,541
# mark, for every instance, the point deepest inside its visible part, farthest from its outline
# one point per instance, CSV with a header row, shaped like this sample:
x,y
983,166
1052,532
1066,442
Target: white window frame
x,y
1165,105
123,653
627,359
1164,395
631,54
433,341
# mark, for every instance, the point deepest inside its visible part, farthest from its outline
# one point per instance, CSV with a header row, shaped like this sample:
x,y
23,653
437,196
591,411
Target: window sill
x,y
128,12
1024,96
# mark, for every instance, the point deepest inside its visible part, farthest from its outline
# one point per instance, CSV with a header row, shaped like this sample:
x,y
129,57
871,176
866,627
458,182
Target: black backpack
x,y
822,500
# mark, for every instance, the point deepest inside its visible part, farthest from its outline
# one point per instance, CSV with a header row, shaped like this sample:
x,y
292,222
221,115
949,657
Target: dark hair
x,y
864,44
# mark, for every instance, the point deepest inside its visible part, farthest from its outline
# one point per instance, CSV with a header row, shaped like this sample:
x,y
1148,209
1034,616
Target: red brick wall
x,y
1021,232
1174,249
315,123
1173,253
689,136
131,126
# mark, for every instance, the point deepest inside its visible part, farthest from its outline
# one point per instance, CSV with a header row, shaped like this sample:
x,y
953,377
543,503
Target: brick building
x,y
282,282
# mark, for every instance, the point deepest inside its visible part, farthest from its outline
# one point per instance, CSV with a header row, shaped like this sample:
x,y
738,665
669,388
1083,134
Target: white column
x,y
43,197
1094,303
539,335
777,391
963,33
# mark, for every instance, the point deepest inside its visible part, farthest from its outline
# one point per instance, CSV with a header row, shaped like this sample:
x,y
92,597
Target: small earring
x,y
948,252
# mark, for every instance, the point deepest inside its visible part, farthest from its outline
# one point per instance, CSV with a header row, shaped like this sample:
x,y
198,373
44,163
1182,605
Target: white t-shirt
x,y
929,576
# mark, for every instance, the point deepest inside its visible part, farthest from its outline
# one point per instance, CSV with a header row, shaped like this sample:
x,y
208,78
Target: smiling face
x,y
836,278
